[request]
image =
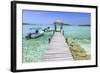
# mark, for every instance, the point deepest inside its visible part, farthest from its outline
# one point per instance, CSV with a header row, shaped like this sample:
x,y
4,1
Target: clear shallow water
x,y
81,34
34,49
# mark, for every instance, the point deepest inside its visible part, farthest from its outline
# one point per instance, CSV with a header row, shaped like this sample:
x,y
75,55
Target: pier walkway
x,y
58,49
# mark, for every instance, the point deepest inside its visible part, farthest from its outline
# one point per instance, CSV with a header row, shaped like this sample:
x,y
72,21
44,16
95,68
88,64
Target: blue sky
x,y
48,17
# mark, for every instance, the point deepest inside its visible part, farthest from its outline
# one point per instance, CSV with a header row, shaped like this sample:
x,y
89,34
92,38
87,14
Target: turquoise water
x,y
34,49
77,32
81,34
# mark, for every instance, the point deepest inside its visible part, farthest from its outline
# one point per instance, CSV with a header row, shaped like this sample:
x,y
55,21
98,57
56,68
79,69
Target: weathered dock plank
x,y
58,49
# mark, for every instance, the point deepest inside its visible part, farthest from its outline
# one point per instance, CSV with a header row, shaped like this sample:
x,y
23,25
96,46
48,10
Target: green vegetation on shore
x,y
77,51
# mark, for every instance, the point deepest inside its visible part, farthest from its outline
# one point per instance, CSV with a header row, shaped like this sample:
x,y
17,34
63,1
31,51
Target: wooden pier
x,y
58,49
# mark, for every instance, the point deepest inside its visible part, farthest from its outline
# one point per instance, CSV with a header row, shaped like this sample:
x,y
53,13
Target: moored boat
x,y
36,34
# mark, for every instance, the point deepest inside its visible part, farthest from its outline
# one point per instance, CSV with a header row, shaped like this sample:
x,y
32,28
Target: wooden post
x,y
63,32
49,40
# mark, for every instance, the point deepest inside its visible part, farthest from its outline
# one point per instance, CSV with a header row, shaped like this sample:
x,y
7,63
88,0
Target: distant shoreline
x,y
51,24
